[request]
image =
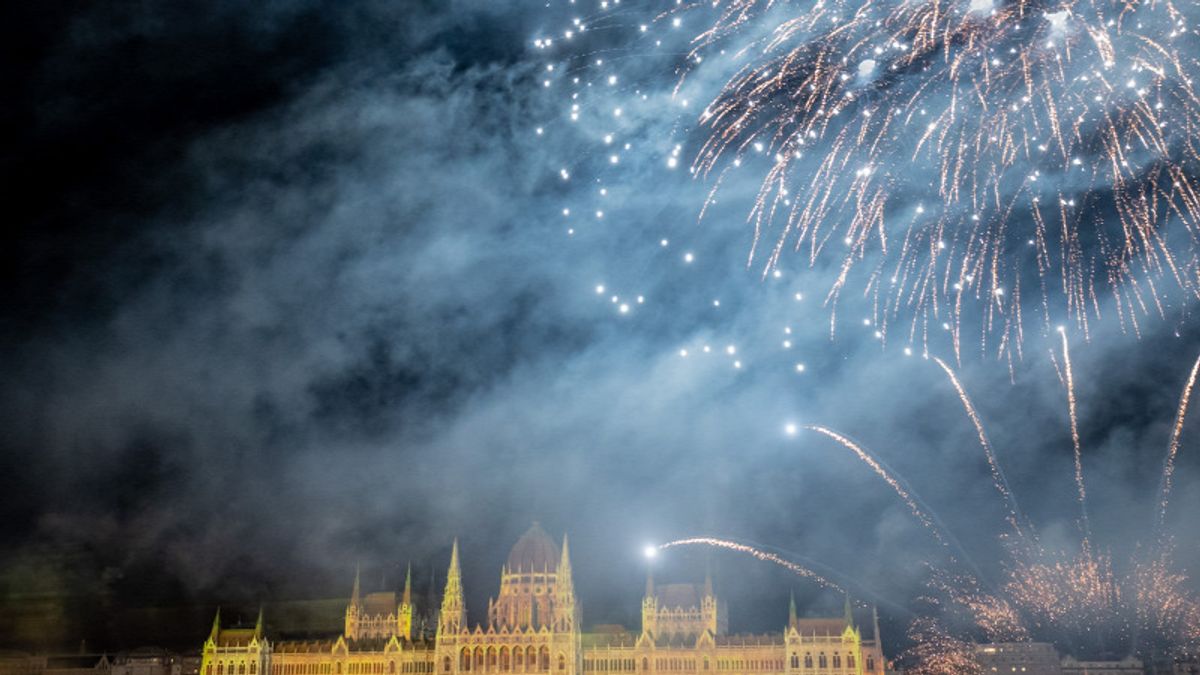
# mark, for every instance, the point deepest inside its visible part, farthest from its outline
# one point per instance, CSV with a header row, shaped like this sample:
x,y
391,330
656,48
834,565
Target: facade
x,y
1032,658
534,626
1129,666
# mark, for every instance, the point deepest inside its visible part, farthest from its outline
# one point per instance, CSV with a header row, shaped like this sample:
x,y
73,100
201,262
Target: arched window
x,y
464,661
392,667
870,663
645,663
241,669
491,658
479,658
822,662
504,659
807,660
562,662
544,659
518,658
253,667
209,670
446,664
220,669
531,658
706,663
837,660
849,660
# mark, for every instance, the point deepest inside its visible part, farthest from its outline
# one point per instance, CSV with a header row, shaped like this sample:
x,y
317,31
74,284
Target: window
x,y
795,660
706,663
518,658
446,664
544,659
870,663
465,659
392,667
849,660
822,662
645,663
562,662
837,660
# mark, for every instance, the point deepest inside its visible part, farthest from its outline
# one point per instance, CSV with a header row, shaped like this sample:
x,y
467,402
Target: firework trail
x,y
998,477
1164,490
757,553
1069,379
1054,146
905,494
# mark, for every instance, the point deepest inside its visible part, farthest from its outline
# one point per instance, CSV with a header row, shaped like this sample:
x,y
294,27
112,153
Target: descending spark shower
x,y
1074,599
955,159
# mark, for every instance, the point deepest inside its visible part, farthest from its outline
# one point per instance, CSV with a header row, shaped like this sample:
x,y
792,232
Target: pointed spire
x,y
849,612
875,623
565,563
708,584
792,607
454,610
258,625
406,599
649,584
216,627
354,595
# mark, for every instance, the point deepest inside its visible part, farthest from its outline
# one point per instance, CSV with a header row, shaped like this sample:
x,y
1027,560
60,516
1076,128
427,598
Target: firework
x,y
955,156
1173,446
766,556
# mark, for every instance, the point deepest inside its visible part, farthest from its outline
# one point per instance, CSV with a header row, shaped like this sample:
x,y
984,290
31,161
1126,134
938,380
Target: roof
x,y
381,603
750,640
678,595
534,551
820,626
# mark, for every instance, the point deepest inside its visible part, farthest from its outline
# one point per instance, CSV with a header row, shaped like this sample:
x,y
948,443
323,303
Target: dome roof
x,y
534,551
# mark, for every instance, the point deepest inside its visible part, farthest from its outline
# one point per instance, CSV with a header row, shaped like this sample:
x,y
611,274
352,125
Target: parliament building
x,y
534,626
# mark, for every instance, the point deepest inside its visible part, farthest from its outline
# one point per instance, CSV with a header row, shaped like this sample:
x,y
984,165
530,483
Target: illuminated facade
x,y
534,627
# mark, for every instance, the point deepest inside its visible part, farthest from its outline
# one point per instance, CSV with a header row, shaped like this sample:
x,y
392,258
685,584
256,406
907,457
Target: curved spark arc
x,y
998,478
1164,490
757,553
920,510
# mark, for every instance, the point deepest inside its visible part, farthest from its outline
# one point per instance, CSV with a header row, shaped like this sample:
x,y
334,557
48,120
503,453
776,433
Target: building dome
x,y
534,551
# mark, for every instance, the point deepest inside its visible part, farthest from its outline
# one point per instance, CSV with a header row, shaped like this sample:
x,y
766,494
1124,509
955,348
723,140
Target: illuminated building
x,y
534,626
1031,658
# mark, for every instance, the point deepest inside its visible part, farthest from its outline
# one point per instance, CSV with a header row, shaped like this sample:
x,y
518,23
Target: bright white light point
x,y
1061,329
737,364
688,257
599,214
716,303
920,209
790,429
787,344
676,22
731,350
624,308
642,28
999,291
777,274
566,212
608,139
600,289
707,349
564,174
941,244
641,299
613,159
664,242
650,552
866,322
799,297
908,351
540,131
570,231
612,79
603,192
672,162
616,112
799,367
787,330
683,353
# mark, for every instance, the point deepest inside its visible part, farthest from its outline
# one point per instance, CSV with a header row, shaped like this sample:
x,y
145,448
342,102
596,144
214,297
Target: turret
x,y
216,627
404,616
564,600
453,616
258,624
848,612
353,609
791,608
649,607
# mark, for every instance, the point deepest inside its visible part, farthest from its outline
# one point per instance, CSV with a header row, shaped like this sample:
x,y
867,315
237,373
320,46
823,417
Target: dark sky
x,y
287,288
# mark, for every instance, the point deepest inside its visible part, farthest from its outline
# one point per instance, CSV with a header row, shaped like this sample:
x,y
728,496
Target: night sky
x,y
288,288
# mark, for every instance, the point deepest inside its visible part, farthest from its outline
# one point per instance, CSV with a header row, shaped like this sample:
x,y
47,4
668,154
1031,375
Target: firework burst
x,y
957,158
